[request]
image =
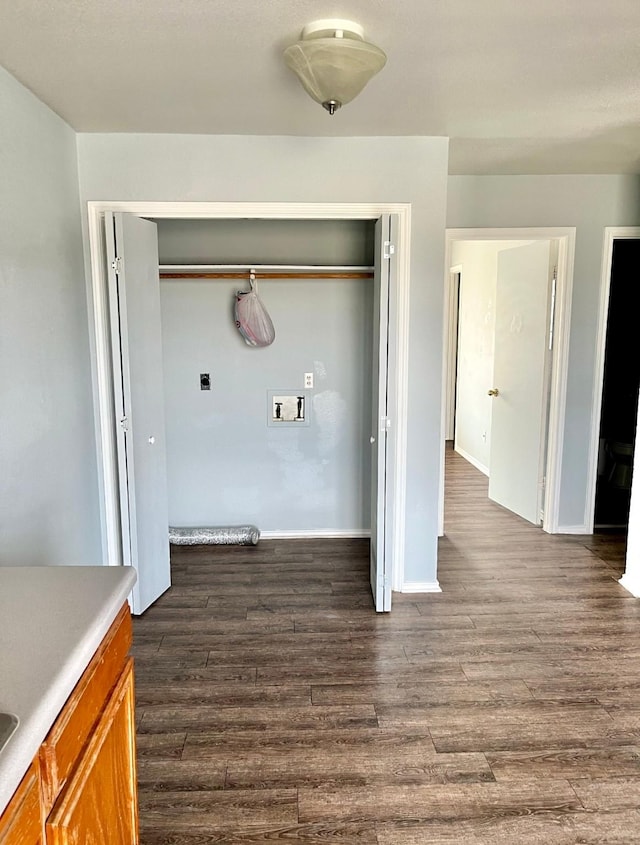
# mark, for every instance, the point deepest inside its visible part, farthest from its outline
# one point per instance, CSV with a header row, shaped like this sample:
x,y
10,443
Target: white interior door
x,y
519,410
134,307
380,562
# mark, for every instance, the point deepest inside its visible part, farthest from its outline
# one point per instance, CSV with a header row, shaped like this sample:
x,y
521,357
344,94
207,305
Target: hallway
x,y
275,705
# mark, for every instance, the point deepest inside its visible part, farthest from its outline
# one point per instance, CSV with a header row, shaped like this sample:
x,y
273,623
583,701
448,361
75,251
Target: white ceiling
x,y
549,86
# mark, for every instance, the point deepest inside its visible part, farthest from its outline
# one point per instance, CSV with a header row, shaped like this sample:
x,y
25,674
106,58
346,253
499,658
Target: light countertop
x,y
52,620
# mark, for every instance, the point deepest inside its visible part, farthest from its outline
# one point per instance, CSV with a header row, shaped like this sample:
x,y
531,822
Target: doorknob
x,y
493,392
372,439
152,440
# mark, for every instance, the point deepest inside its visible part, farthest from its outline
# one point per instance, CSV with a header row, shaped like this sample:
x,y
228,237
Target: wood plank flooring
x,y
275,705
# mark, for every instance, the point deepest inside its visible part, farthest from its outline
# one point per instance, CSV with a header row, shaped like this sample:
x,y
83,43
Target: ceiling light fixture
x,y
333,61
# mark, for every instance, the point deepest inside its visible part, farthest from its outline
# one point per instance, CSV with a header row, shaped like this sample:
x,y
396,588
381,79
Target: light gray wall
x,y
293,169
48,485
590,203
225,464
337,242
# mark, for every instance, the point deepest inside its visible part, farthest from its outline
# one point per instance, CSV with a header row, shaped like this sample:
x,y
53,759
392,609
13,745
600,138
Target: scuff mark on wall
x,y
330,412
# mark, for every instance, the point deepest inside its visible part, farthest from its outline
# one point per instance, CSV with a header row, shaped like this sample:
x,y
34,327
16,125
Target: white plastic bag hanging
x,y
252,318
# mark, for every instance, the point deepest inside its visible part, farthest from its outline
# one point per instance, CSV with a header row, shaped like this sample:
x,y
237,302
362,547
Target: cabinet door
x,y
99,804
21,822
75,725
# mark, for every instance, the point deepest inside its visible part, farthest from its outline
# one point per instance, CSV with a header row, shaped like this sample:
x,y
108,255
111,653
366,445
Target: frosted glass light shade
x,y
334,70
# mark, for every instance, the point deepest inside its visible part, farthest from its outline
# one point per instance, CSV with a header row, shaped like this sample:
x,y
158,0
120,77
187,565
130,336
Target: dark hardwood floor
x,y
275,705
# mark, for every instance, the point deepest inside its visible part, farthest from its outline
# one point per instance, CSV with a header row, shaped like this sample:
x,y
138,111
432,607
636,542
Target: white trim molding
x,y
611,234
99,331
99,324
566,238
400,335
421,587
631,578
451,359
573,529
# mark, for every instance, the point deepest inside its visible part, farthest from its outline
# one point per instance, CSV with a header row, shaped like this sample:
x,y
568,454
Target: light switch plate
x,y
308,380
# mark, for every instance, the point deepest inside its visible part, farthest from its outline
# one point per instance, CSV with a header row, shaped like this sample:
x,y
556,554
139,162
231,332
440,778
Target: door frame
x,y
566,238
452,302
631,578
611,234
101,347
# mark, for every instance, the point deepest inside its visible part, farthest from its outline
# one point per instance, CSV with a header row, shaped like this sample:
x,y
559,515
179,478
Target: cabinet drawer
x,y
99,803
72,728
21,822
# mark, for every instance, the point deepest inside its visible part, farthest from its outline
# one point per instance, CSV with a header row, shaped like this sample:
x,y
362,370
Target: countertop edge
x,y
20,751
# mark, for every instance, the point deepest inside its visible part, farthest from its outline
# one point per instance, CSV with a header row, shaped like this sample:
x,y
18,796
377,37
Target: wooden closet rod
x,y
306,274
265,271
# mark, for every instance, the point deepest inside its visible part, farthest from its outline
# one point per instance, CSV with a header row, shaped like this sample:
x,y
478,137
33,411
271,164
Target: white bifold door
x,y
134,309
134,306
381,424
521,379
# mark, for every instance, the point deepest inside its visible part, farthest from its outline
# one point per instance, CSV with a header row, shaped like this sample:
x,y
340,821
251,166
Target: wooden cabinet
x,y
82,787
21,822
99,802
72,729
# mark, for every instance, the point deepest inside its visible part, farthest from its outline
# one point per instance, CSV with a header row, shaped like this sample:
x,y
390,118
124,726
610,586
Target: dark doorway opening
x,y
620,389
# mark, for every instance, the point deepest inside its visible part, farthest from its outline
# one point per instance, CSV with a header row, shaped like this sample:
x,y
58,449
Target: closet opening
x,y
230,459
338,305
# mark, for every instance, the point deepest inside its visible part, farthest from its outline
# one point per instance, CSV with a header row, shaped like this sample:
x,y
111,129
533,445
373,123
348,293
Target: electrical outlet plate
x,y
308,380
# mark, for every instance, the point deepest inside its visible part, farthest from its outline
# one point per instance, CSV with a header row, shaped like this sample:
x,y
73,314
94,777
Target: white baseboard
x,y
572,529
421,587
473,461
316,533
631,584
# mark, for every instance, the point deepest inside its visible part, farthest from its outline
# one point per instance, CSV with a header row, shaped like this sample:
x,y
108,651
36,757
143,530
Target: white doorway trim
x,y
611,234
451,361
631,578
99,327
566,238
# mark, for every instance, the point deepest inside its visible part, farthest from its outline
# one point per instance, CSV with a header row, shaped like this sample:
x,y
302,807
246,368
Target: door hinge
x,y
116,265
543,490
124,423
385,425
384,581
389,249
